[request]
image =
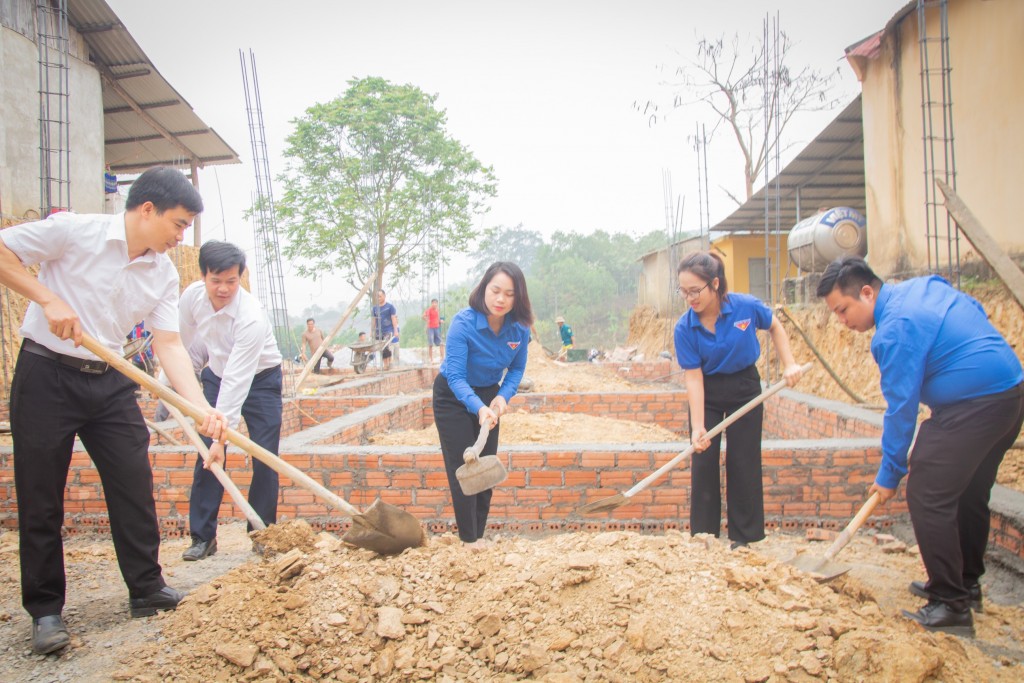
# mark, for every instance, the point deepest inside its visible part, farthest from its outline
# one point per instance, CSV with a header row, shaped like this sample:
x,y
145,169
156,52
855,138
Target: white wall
x,y
19,130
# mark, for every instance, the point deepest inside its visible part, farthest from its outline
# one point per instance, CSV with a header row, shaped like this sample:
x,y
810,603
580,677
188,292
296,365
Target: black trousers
x,y
262,413
458,429
723,394
326,355
50,404
952,470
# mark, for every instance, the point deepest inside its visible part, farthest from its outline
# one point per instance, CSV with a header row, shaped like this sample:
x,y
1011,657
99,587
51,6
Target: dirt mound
x,y
280,538
649,332
518,428
576,607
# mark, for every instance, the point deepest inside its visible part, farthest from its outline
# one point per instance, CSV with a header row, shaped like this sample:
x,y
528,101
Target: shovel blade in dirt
x,y
480,473
388,529
385,529
824,567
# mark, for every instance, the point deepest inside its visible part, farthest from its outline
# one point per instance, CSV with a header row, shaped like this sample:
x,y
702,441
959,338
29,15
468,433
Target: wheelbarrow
x,y
362,352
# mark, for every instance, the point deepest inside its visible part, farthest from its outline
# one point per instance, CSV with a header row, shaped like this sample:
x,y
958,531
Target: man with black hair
x,y
935,345
98,274
243,379
312,338
385,325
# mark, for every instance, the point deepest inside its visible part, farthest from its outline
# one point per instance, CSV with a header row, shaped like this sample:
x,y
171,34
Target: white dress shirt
x,y
83,259
238,339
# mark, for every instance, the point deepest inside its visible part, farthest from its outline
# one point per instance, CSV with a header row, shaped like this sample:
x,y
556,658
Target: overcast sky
x,y
541,91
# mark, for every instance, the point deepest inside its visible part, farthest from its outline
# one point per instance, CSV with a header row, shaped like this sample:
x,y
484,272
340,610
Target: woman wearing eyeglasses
x,y
717,347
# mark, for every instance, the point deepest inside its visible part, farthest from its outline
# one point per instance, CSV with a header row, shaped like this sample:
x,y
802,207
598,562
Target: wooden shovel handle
x,y
218,471
168,396
865,511
473,452
712,433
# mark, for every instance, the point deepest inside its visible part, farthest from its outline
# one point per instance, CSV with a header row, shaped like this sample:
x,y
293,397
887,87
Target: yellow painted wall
x,y
986,53
736,252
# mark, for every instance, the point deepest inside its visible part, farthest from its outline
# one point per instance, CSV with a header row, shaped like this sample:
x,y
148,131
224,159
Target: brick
x,y
545,478
599,459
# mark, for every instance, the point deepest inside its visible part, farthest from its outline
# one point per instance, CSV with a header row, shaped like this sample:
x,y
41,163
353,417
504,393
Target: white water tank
x,y
817,241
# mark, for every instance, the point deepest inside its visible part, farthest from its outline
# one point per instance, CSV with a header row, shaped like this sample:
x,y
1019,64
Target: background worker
x,y
385,326
935,345
312,338
98,274
433,318
568,338
717,347
484,340
243,378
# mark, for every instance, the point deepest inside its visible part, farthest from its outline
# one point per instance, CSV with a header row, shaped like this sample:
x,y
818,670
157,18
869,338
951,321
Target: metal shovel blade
x,y
385,529
819,567
604,505
481,474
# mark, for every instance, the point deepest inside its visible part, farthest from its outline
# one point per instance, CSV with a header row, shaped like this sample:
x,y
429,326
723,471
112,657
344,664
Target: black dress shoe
x,y
940,616
163,599
199,550
49,634
918,589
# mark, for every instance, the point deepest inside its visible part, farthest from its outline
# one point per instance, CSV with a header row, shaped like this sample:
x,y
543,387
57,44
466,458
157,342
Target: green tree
x,y
374,184
499,243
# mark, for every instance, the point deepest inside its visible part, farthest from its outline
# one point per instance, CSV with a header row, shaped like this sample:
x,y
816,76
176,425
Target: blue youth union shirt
x,y
733,345
383,315
476,357
933,345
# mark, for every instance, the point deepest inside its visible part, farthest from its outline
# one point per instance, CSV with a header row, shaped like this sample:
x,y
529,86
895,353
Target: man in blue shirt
x,y
568,338
935,345
385,325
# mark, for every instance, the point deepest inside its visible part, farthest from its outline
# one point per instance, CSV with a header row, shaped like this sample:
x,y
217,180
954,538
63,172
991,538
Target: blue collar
x,y
884,294
726,309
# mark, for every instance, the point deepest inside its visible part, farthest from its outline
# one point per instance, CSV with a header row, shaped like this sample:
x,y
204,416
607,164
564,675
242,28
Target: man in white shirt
x,y
98,274
243,378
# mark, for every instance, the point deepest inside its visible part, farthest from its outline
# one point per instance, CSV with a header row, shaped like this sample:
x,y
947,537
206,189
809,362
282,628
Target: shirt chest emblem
x,y
513,345
742,325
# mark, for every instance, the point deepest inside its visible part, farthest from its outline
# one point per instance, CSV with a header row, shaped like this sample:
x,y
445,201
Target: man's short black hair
x,y
216,257
167,188
849,274
310,320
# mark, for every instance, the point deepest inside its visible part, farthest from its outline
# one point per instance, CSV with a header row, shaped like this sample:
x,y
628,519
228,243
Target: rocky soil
x,y
613,606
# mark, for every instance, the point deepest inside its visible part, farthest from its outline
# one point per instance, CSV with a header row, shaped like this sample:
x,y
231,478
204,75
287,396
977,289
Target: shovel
x,y
480,473
383,528
612,502
823,567
218,471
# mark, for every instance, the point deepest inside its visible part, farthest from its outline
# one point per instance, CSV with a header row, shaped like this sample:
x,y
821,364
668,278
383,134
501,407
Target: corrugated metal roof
x,y
145,120
828,172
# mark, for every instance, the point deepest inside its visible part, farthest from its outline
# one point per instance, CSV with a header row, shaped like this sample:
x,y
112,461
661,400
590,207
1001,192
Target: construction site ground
x,y
609,606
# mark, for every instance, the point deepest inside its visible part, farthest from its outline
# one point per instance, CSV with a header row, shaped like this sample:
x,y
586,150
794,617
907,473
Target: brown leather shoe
x,y
49,634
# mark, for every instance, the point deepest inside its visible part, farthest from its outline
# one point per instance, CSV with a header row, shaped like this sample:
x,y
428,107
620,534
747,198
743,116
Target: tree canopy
x,y
374,184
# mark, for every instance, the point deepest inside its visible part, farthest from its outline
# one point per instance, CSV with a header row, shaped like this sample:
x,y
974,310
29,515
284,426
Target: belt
x,y
93,367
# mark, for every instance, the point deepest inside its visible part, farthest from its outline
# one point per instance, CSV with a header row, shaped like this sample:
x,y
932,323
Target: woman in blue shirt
x,y
484,340
717,347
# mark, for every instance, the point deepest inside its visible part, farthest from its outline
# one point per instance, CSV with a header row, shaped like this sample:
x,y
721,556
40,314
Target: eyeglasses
x,y
691,293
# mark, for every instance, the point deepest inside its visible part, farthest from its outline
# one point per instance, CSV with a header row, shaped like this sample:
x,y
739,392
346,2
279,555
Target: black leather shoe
x,y
939,616
918,589
49,634
165,598
200,549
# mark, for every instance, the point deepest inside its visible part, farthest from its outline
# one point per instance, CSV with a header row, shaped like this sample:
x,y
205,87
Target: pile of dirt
x,y
550,376
650,333
577,607
520,428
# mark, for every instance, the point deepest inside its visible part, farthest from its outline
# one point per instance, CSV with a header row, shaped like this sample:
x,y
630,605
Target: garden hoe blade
x,y
480,473
823,567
